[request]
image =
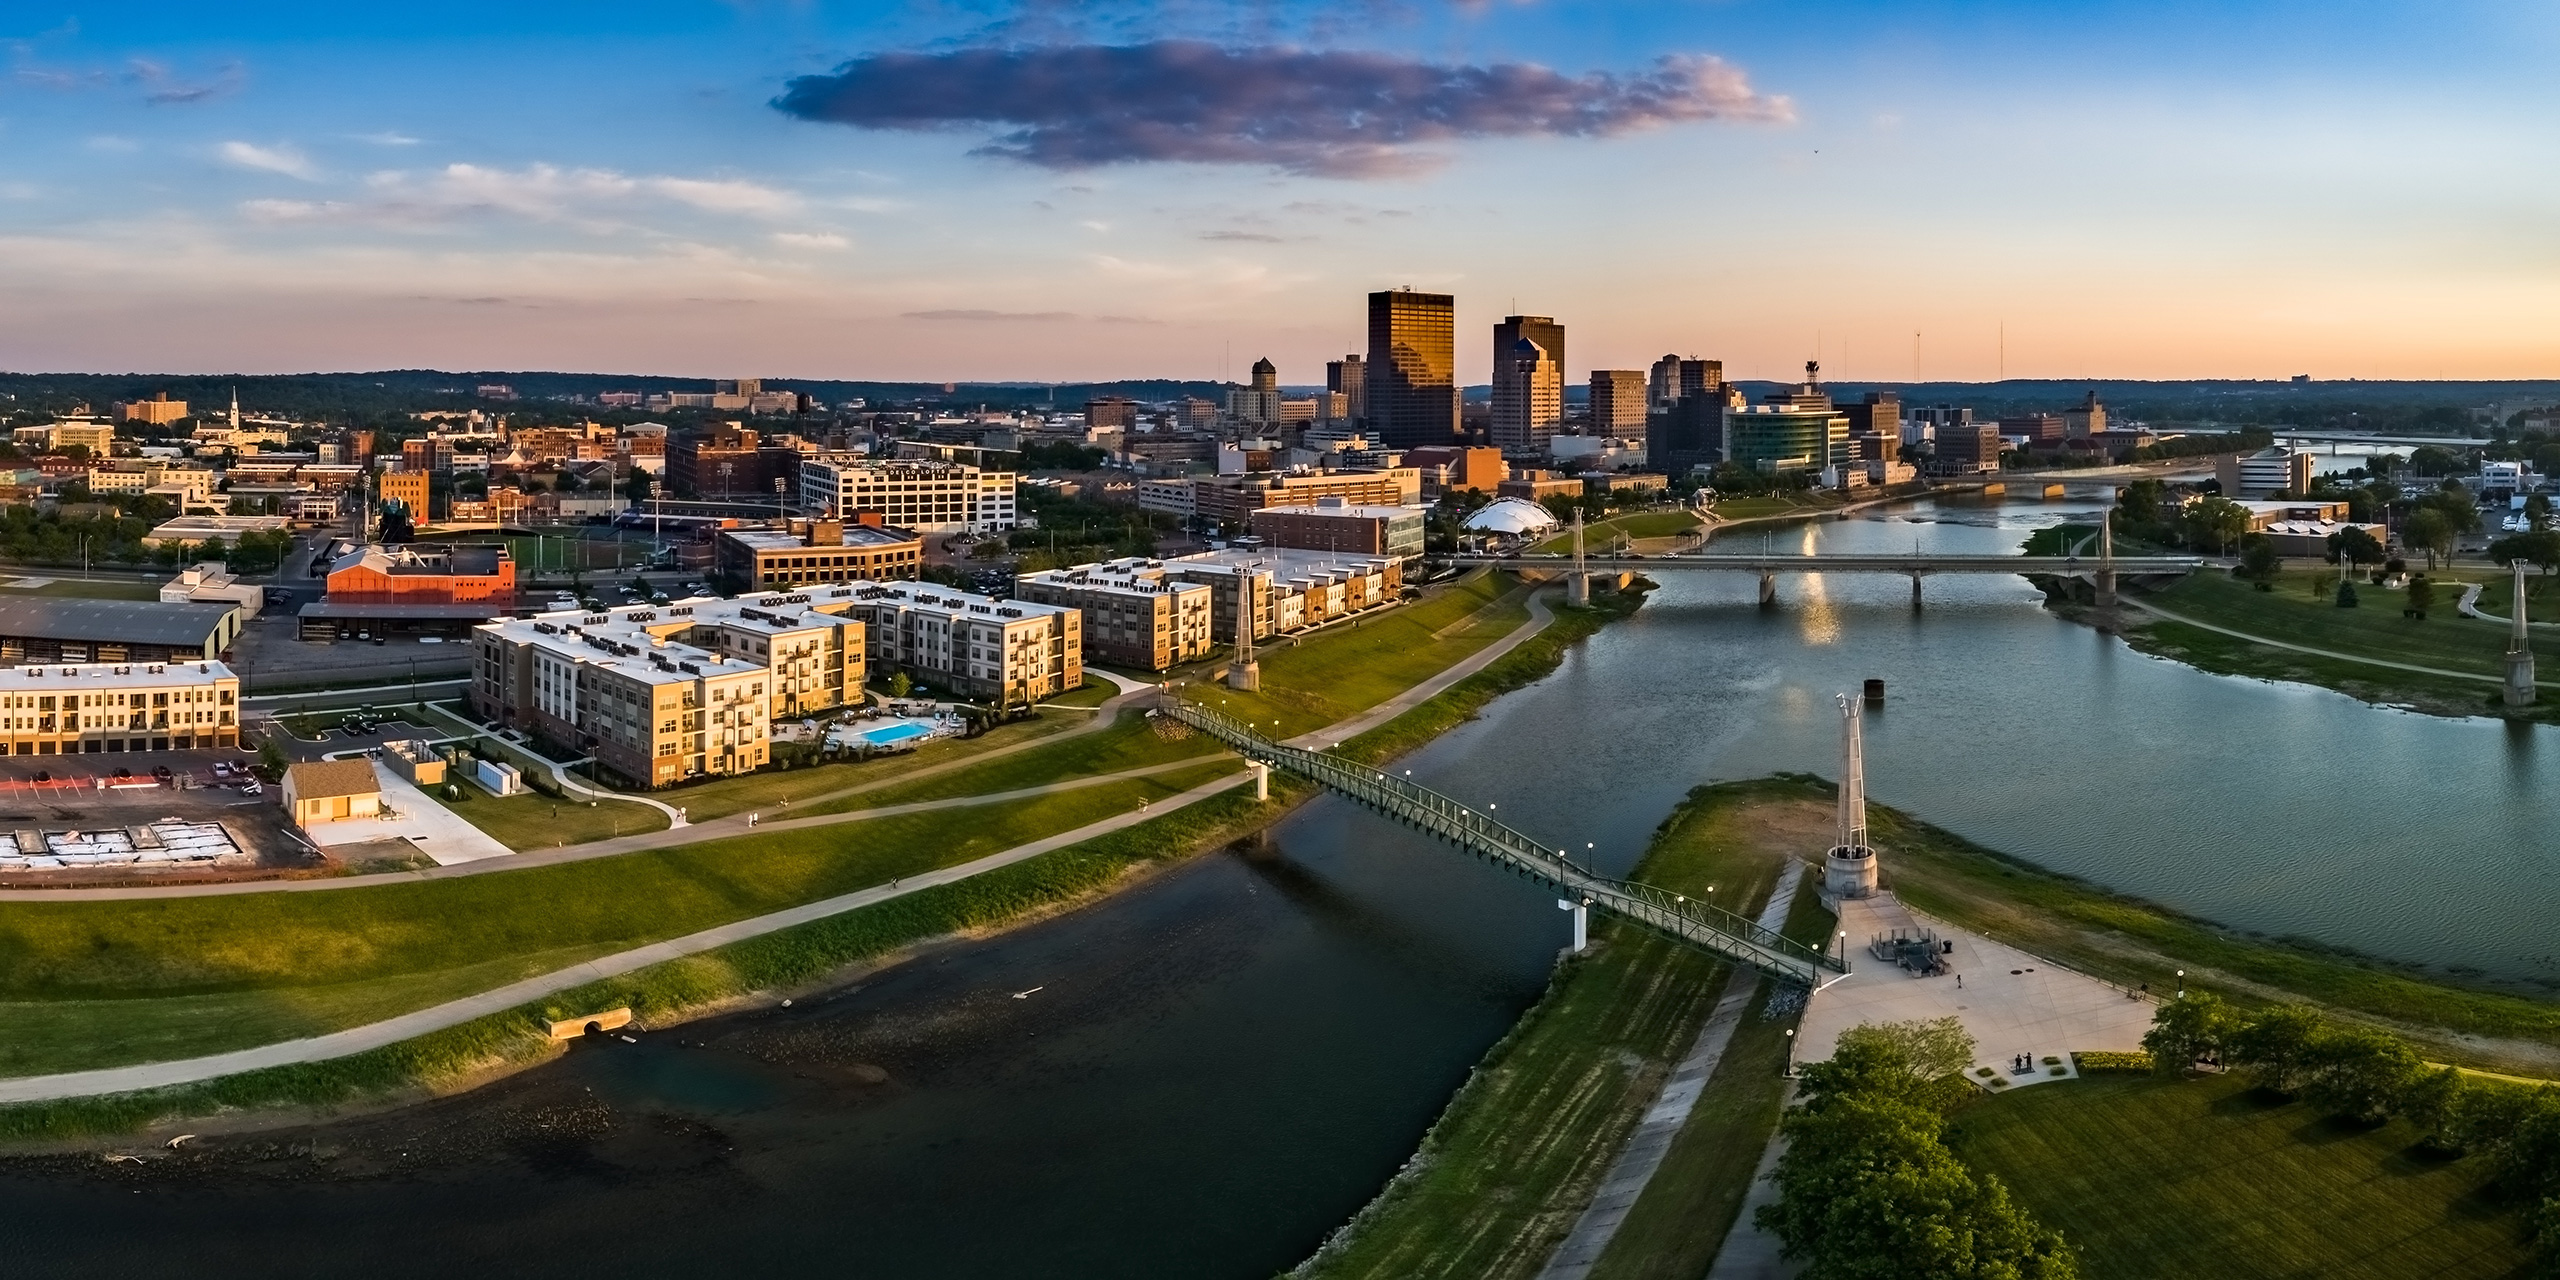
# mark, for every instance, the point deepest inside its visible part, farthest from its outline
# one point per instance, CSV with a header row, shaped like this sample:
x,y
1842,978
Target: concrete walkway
x,y
158,1075
1336,734
1643,1154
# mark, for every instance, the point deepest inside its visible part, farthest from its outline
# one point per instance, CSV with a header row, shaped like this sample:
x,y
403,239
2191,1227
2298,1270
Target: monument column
x,y
2519,688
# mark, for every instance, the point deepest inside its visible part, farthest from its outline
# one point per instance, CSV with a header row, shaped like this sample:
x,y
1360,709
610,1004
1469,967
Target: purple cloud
x,y
1325,113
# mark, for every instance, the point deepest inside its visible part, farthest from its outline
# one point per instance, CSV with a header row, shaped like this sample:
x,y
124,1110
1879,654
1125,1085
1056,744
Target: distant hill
x,y
388,394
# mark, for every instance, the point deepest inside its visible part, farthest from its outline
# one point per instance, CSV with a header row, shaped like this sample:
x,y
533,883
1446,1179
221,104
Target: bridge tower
x,y
1243,673
1577,589
2519,690
1849,871
2107,558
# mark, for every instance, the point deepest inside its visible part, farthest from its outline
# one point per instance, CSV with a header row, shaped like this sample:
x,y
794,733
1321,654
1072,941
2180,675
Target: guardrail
x,y
1702,925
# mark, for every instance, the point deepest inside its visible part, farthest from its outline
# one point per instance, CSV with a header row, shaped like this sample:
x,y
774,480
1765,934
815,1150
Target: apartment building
x,y
1287,590
926,495
1007,651
82,708
1234,498
1132,616
664,694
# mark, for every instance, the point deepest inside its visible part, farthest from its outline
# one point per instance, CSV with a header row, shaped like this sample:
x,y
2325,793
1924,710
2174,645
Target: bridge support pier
x,y
1577,590
2107,589
1915,591
1768,587
1261,780
1581,924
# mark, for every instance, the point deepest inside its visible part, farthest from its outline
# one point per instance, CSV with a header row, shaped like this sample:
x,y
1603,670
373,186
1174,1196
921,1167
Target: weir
x,y
1710,929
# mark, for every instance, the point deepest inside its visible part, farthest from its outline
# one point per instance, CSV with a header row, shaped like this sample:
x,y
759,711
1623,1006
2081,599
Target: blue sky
x,y
1056,191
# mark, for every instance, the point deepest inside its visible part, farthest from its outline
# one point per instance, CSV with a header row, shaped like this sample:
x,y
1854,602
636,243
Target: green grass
x,y
1129,744
89,588
1342,672
1731,509
1634,524
523,822
1515,1158
2151,1178
102,953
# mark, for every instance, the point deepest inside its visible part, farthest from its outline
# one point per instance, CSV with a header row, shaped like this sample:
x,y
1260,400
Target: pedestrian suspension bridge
x,y
1710,929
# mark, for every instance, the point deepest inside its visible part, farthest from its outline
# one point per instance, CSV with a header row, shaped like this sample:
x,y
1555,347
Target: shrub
x,y
2090,1060
2184,1030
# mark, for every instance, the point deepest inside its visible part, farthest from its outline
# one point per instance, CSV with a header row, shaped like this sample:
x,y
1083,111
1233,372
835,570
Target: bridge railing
x,y
1734,936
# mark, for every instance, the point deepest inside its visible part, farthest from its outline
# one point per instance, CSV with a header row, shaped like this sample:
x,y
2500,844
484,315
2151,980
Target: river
x,y
1203,1076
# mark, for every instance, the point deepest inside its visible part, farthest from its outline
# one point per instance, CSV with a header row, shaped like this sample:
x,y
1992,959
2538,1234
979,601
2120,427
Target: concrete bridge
x,y
1710,929
2102,570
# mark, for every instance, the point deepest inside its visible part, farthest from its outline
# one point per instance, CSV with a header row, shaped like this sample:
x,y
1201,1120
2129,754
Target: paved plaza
x,y
2012,1002
412,815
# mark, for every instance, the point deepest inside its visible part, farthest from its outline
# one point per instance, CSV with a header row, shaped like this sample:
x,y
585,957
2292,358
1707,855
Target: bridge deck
x,y
1708,928
1744,562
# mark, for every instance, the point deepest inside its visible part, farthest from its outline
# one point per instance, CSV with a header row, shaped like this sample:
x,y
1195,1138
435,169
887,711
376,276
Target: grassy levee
x,y
2296,613
1128,744
2150,1177
2127,940
380,949
665,993
1520,1150
1349,669
1634,524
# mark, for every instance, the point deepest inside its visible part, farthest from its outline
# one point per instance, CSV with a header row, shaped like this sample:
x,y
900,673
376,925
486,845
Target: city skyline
x,y
1905,192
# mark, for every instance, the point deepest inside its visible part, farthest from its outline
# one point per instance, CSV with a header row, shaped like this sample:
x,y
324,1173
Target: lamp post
x,y
2182,984
1787,1065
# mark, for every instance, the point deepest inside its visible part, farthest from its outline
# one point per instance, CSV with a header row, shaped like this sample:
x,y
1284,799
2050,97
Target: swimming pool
x,y
894,733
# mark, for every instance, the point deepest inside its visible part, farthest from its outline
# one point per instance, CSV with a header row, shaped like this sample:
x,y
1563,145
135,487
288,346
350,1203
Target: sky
x,y
973,190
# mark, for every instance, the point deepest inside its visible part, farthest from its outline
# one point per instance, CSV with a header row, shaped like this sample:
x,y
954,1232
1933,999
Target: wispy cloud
x,y
1318,112
388,139
811,240
282,158
591,199
974,315
163,86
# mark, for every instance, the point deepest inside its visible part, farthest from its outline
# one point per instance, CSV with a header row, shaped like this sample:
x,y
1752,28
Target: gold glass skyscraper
x,y
1413,368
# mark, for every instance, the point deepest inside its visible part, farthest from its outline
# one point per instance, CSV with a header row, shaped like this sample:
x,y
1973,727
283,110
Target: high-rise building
x,y
1792,430
1413,368
2089,418
1701,378
1257,402
1663,386
1618,399
1528,381
1348,378
1111,411
1875,425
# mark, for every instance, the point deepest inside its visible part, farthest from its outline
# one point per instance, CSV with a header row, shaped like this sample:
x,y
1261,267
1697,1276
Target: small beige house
x,y
328,790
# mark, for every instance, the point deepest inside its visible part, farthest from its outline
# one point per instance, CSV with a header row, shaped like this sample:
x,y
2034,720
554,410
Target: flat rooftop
x,y
112,621
67,677
1348,509
857,537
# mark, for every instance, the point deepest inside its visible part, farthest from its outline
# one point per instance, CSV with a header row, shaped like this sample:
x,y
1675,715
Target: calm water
x,y
1219,1067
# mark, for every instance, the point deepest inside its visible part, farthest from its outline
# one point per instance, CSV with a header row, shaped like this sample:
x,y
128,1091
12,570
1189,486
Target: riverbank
x,y
808,957
1500,1176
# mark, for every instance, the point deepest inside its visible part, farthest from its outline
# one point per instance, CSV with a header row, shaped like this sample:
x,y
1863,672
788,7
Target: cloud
x,y
1326,113
1244,237
277,159
811,240
388,139
596,200
981,316
162,87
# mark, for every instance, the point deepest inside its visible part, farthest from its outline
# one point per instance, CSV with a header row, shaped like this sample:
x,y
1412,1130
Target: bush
x,y
2105,1060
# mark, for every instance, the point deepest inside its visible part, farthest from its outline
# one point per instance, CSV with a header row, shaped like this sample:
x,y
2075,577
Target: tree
x,y
2258,561
2353,546
2276,1044
2540,548
1930,1050
2186,1030
900,685
2422,594
2141,502
2430,1101
2429,531
2358,1071
2537,512
2216,523
2430,460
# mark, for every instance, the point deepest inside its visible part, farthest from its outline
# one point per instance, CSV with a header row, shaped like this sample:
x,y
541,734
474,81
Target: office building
x,y
1875,426
45,629
1528,382
1687,435
1618,398
81,708
1347,378
2033,429
425,573
1538,486
1964,447
732,464
159,410
1339,525
96,437
1412,368
1258,402
807,552
1448,468
1234,499
1132,617
2264,474
2087,419
1792,430
925,495
1662,383
1111,412
407,488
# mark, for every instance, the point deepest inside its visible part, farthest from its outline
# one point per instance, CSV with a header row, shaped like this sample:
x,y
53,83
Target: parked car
x,y
251,788
160,771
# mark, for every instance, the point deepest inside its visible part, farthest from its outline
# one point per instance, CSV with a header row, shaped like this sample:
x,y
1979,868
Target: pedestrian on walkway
x,y
1959,982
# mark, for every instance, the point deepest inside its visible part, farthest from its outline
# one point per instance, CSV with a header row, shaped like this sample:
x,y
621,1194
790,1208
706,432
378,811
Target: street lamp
x,y
1786,1067
2182,984
1844,946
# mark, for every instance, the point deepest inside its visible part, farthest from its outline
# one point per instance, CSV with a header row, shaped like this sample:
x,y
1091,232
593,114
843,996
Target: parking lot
x,y
57,793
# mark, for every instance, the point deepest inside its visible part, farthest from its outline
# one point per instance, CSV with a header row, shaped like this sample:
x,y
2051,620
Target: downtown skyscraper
x,y
1413,368
1528,381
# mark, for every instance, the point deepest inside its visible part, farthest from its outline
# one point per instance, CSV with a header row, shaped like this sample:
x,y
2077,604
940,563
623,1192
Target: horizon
x,y
1910,193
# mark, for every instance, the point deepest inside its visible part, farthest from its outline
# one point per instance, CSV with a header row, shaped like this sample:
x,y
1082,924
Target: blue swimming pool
x,y
891,733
